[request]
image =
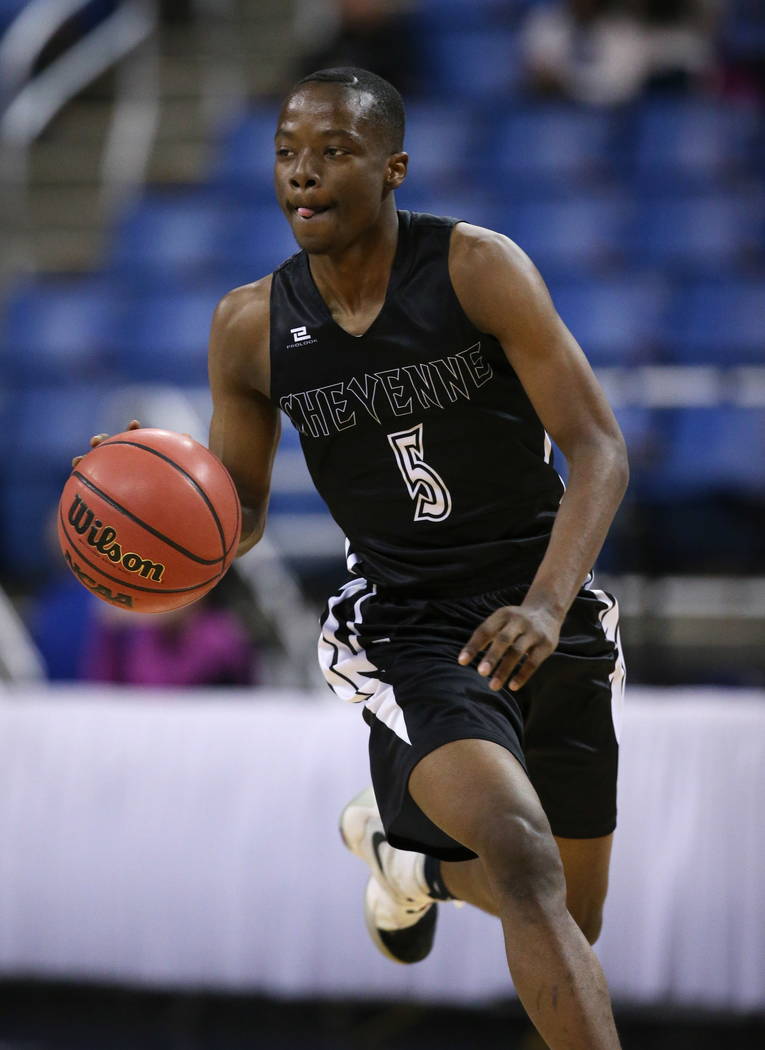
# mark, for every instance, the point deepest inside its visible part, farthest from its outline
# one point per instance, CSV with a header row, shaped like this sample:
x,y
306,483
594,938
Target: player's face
x,y
331,172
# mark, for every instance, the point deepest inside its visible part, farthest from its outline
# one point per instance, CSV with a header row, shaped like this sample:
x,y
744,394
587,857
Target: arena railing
x,y
125,40
20,662
684,386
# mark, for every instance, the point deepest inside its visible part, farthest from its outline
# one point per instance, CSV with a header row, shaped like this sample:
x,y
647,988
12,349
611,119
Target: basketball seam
x,y
144,525
191,480
133,586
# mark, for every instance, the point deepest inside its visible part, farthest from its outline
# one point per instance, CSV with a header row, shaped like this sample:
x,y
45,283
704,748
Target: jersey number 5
x,y
426,487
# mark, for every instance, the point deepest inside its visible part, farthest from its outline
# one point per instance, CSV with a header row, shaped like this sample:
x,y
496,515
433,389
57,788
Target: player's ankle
x,y
415,876
433,880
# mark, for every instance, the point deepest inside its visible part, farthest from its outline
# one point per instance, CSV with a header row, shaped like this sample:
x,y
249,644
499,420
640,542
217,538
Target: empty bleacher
x,y
647,221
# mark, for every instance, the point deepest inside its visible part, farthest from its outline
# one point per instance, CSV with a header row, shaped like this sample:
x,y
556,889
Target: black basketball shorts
x,y
398,657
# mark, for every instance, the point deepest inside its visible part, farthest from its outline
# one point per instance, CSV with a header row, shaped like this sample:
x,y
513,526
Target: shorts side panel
x,y
571,743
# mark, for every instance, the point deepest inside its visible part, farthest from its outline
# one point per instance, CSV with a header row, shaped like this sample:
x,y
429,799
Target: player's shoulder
x,y
493,278
478,249
245,308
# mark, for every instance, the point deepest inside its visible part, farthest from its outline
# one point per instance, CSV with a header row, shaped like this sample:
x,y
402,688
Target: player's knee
x,y
587,913
523,864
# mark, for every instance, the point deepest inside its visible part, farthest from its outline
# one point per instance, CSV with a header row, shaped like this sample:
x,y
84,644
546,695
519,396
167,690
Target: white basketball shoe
x,y
400,916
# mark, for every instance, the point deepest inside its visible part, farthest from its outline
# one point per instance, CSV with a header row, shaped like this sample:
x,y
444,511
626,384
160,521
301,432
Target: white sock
x,y
405,871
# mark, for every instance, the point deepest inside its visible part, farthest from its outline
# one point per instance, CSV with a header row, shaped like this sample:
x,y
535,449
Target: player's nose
x,y
303,175
303,182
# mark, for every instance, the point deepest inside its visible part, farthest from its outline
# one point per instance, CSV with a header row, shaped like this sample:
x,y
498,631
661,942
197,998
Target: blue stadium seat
x,y
59,331
164,336
697,233
718,322
638,425
27,526
563,235
441,140
167,236
712,450
551,144
253,241
473,65
692,140
615,319
476,207
245,154
46,426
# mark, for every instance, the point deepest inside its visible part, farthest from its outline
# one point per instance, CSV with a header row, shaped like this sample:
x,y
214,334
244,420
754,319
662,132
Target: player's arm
x,y
244,431
503,294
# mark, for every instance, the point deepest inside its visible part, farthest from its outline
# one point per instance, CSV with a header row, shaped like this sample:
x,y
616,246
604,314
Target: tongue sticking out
x,y
308,213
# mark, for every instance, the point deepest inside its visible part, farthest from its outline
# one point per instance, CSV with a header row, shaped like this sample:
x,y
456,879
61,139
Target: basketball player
x,y
424,366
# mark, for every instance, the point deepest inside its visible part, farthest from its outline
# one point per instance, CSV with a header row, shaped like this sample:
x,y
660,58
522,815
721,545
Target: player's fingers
x,y
512,658
482,636
504,645
98,438
534,657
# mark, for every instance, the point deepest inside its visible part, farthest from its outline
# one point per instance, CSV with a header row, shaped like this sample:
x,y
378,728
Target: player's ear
x,y
396,169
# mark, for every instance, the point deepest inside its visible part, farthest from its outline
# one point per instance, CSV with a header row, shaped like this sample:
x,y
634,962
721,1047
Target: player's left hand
x,y
514,640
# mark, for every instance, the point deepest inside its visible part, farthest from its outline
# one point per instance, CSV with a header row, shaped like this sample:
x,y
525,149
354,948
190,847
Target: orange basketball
x,y
149,520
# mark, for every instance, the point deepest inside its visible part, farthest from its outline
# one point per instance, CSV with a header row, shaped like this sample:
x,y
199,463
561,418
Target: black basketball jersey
x,y
417,434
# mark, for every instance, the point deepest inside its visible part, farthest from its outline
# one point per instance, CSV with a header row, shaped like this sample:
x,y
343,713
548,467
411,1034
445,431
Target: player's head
x,y
339,155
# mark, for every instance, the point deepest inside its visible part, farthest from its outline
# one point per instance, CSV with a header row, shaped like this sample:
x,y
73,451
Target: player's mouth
x,y
306,214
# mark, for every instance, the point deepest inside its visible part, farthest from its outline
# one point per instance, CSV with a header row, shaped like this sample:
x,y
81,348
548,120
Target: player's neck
x,y
358,276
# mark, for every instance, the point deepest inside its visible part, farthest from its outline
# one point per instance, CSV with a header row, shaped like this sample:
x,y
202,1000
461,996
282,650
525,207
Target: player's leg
x,y
586,863
585,867
479,794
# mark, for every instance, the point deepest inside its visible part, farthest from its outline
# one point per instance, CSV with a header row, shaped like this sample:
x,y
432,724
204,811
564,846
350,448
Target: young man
x,y
424,365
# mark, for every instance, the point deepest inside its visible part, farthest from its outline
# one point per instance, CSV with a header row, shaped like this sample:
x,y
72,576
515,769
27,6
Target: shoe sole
x,y
366,803
365,800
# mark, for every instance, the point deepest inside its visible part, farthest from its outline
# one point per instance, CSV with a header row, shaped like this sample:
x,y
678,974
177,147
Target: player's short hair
x,y
387,108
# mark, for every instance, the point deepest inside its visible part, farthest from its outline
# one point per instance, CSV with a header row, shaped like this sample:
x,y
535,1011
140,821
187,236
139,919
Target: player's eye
x,y
282,151
335,151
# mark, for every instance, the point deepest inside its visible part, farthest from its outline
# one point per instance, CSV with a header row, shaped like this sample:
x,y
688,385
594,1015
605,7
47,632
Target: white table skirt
x,y
158,839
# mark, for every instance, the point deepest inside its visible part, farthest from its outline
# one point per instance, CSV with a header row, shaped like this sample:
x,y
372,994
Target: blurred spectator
x,y
605,52
198,645
373,34
742,46
678,40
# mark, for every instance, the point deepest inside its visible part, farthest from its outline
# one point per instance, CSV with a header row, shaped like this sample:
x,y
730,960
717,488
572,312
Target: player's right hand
x,y
98,438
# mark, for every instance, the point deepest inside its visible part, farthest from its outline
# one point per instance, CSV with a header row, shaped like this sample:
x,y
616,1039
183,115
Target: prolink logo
x,y
301,336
